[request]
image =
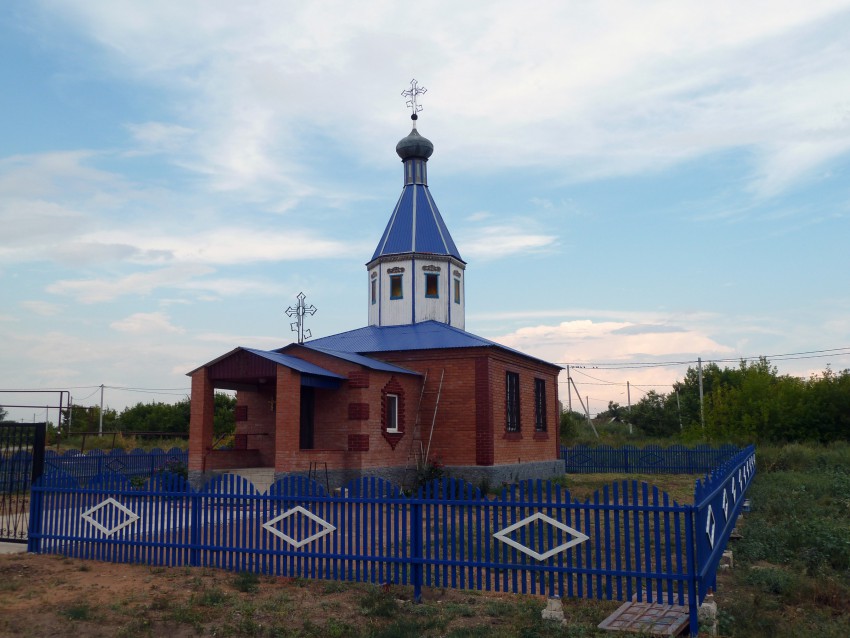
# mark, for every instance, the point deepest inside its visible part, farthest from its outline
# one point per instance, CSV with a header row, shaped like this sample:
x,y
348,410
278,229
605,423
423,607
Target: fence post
x,y
36,497
195,531
416,547
693,570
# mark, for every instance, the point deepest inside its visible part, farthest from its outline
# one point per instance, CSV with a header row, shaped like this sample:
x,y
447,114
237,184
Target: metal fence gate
x,y
21,463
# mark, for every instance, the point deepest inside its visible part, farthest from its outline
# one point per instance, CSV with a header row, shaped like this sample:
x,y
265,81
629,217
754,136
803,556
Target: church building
x,y
410,390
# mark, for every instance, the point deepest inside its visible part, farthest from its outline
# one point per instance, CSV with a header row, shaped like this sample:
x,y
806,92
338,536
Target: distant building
x,y
411,388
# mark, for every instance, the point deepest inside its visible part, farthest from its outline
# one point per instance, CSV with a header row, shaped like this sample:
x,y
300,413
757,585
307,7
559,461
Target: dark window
x,y
457,290
432,286
540,405
374,290
512,402
395,287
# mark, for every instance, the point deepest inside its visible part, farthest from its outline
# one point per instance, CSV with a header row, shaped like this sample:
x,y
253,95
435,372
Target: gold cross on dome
x,y
414,91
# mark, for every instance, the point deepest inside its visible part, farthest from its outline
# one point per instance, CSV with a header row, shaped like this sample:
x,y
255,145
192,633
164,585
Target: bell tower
x,y
416,273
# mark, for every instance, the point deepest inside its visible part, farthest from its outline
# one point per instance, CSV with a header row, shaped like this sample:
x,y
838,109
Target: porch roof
x,y
232,370
294,363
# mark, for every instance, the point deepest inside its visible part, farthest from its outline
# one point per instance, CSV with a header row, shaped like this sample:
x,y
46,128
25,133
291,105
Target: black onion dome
x,y
414,145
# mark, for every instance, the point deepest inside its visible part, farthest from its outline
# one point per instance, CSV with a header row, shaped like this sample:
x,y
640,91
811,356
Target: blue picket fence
x,y
653,459
137,465
629,541
718,500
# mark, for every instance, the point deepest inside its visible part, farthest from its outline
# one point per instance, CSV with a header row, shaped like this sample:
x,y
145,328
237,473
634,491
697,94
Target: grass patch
x,y
246,582
376,602
78,611
792,575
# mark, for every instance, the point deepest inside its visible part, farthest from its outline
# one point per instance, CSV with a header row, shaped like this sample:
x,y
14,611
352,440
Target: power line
x,y
807,354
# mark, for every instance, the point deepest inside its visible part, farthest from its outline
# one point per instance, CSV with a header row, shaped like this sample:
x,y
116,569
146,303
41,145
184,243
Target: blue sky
x,y
630,183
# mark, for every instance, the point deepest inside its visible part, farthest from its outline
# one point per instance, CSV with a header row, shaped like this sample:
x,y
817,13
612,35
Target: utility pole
x,y
569,392
100,427
629,399
586,408
701,411
679,406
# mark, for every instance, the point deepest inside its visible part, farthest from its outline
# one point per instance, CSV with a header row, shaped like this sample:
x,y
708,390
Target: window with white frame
x,y
391,412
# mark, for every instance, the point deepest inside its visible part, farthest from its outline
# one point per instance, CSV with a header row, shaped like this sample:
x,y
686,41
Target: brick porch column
x,y
287,420
202,412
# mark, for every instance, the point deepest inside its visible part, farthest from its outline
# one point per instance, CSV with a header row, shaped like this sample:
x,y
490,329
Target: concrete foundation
x,y
708,615
554,610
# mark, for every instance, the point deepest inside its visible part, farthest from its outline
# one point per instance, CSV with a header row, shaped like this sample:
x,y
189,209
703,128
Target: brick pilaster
x,y
201,414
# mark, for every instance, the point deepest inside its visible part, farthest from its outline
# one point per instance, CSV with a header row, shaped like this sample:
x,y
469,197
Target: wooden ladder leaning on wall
x,y
419,451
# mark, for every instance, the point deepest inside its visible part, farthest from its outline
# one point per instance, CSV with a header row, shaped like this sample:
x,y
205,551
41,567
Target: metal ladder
x,y
418,453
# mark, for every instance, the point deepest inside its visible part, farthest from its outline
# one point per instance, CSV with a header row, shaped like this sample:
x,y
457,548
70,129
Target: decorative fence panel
x,y
718,500
653,459
629,541
137,465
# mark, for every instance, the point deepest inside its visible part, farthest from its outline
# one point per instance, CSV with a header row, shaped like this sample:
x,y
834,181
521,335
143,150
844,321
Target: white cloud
x,y
493,242
588,341
146,322
604,88
583,343
157,137
221,246
42,308
135,284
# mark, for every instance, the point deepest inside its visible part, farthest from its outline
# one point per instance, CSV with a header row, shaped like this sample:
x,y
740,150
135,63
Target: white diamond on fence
x,y
270,525
87,516
578,537
710,526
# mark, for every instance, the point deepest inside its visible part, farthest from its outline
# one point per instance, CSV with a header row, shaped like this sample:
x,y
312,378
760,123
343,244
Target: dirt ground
x,y
49,595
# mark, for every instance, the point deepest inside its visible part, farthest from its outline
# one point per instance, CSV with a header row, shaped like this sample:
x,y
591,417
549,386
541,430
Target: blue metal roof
x,y
366,362
294,363
426,335
416,226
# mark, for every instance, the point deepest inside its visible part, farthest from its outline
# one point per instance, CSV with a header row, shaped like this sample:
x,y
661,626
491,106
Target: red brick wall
x,y
484,450
527,445
288,420
472,396
334,430
358,411
201,414
470,417
258,428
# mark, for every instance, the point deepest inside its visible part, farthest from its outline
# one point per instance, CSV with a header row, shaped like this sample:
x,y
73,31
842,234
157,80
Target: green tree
x,y
87,419
3,414
656,414
569,426
172,418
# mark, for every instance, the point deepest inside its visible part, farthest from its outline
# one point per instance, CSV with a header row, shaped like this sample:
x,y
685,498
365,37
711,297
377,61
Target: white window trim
x,y
392,414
